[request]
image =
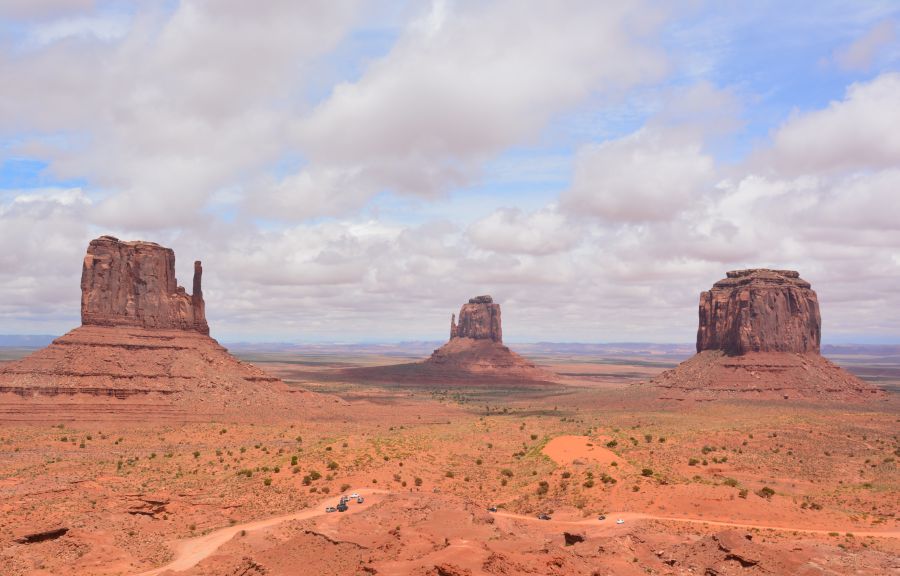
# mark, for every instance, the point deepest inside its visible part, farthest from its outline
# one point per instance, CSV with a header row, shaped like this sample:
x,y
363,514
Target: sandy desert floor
x,y
712,487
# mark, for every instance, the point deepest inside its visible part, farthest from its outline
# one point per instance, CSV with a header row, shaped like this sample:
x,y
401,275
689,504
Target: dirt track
x,y
191,551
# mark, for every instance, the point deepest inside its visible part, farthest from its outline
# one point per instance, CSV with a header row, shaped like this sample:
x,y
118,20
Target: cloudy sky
x,y
354,171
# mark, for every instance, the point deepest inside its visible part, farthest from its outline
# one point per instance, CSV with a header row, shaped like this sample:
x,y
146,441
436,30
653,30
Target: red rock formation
x,y
133,284
143,352
759,310
474,354
479,319
758,337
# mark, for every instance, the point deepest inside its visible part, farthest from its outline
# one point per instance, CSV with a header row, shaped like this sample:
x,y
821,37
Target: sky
x,y
354,171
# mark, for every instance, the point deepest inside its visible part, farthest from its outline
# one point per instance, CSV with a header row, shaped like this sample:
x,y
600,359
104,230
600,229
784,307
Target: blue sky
x,y
355,171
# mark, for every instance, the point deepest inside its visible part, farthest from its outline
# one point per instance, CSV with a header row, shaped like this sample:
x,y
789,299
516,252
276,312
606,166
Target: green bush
x,y
765,492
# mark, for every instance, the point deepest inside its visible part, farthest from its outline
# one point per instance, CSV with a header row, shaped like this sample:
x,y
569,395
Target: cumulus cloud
x,y
539,233
860,132
646,176
163,116
461,85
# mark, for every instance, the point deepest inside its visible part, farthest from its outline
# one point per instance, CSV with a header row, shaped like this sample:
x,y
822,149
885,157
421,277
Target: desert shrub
x,y
543,487
332,465
730,482
743,493
612,444
325,490
267,481
307,480
506,472
314,475
693,462
765,492
635,488
534,436
589,483
196,454
449,473
417,481
478,461
607,479
566,474
293,460
503,482
648,438
646,472
396,477
345,487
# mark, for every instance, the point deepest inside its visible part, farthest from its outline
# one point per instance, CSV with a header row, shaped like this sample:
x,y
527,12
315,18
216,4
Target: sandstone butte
x,y
474,355
758,337
143,351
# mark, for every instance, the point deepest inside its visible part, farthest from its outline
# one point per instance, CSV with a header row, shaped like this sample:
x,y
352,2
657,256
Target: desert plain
x,y
730,486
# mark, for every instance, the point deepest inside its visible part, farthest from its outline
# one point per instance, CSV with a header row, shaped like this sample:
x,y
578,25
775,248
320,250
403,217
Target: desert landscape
x,y
449,288
135,444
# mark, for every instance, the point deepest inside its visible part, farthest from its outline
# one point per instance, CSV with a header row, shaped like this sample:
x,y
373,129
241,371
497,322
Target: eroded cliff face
x,y
133,284
760,310
479,320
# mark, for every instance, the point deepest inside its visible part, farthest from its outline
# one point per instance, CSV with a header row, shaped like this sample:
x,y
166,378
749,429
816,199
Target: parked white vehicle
x,y
620,521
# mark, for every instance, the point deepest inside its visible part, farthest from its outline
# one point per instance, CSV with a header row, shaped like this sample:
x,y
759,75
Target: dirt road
x,y
191,551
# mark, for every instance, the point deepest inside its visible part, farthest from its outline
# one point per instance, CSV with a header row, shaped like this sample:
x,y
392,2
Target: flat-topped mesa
x,y
133,284
479,320
760,310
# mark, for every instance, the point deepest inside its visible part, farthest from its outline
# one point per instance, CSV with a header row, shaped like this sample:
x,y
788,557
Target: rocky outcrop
x,y
760,310
143,352
133,284
474,355
479,320
758,337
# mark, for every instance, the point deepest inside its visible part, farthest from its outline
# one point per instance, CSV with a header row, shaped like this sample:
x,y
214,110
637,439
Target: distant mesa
x,y
759,336
143,351
479,320
474,355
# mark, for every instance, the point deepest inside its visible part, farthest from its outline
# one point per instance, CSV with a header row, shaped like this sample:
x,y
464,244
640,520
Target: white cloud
x,y
460,88
860,132
182,105
539,233
645,176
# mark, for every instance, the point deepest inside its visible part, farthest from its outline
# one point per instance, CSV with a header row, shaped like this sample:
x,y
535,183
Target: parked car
x,y
354,495
330,509
620,521
492,509
359,499
602,517
342,507
544,517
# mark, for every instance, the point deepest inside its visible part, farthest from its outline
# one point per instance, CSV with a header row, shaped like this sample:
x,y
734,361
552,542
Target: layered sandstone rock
x,y
474,354
760,310
133,284
479,320
758,337
142,352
